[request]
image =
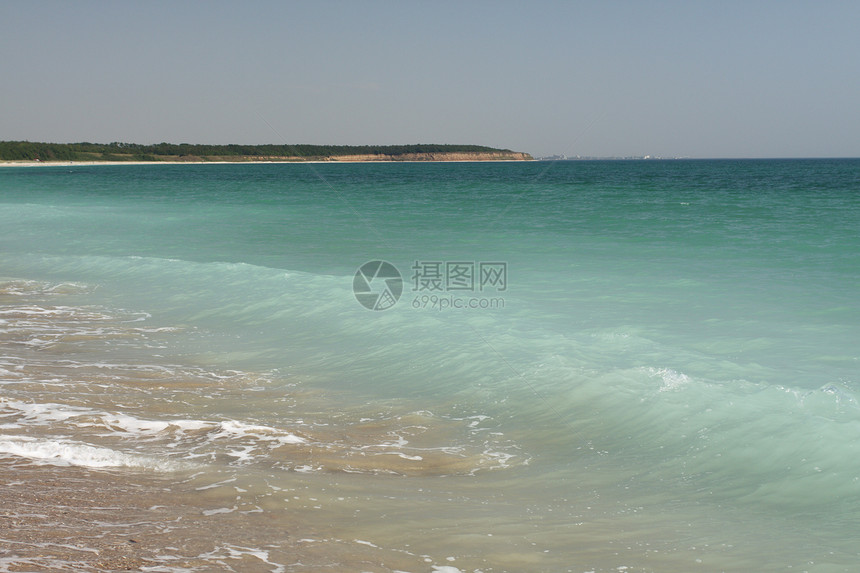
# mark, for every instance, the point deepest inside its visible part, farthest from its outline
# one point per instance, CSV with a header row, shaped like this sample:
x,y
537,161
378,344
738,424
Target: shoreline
x,y
315,161
414,157
76,519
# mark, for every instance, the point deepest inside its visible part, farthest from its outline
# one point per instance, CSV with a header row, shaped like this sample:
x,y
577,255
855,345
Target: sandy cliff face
x,y
476,156
442,156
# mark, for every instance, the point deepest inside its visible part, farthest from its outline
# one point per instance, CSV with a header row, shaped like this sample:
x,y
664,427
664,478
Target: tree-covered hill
x,y
35,151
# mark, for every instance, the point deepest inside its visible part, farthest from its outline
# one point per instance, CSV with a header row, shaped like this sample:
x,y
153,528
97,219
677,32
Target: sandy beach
x,y
407,158
80,521
75,519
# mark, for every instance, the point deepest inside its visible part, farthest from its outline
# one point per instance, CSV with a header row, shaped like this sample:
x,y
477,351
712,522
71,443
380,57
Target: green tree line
x,y
27,150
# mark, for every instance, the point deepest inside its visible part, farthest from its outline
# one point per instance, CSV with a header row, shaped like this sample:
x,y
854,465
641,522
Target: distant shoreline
x,y
26,152
258,162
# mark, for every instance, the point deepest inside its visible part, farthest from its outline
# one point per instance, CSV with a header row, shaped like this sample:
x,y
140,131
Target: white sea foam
x,y
23,287
227,551
209,512
670,379
35,412
189,439
133,425
234,428
69,453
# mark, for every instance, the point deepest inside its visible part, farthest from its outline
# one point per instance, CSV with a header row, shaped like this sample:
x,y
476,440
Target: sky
x,y
603,78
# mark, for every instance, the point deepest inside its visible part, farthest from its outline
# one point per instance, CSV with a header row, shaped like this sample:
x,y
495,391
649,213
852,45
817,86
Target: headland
x,y
26,152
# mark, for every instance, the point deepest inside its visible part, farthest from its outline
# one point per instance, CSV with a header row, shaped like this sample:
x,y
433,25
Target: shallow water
x,y
665,380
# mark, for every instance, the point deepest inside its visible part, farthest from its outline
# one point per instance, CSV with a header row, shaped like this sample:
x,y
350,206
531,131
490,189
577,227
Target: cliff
x,y
441,156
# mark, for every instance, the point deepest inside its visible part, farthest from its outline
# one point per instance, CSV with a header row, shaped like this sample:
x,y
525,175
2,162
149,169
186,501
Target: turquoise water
x,y
665,380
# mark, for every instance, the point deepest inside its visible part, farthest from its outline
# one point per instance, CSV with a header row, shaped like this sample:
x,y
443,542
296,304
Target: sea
x,y
565,366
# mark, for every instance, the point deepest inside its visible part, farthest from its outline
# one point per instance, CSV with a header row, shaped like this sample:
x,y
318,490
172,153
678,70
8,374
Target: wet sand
x,y
74,519
77,521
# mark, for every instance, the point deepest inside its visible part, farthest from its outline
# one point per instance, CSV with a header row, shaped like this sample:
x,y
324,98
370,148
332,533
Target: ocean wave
x,y
33,288
70,453
418,443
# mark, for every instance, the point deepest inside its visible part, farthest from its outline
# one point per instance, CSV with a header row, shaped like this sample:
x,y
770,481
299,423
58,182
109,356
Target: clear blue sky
x,y
688,78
